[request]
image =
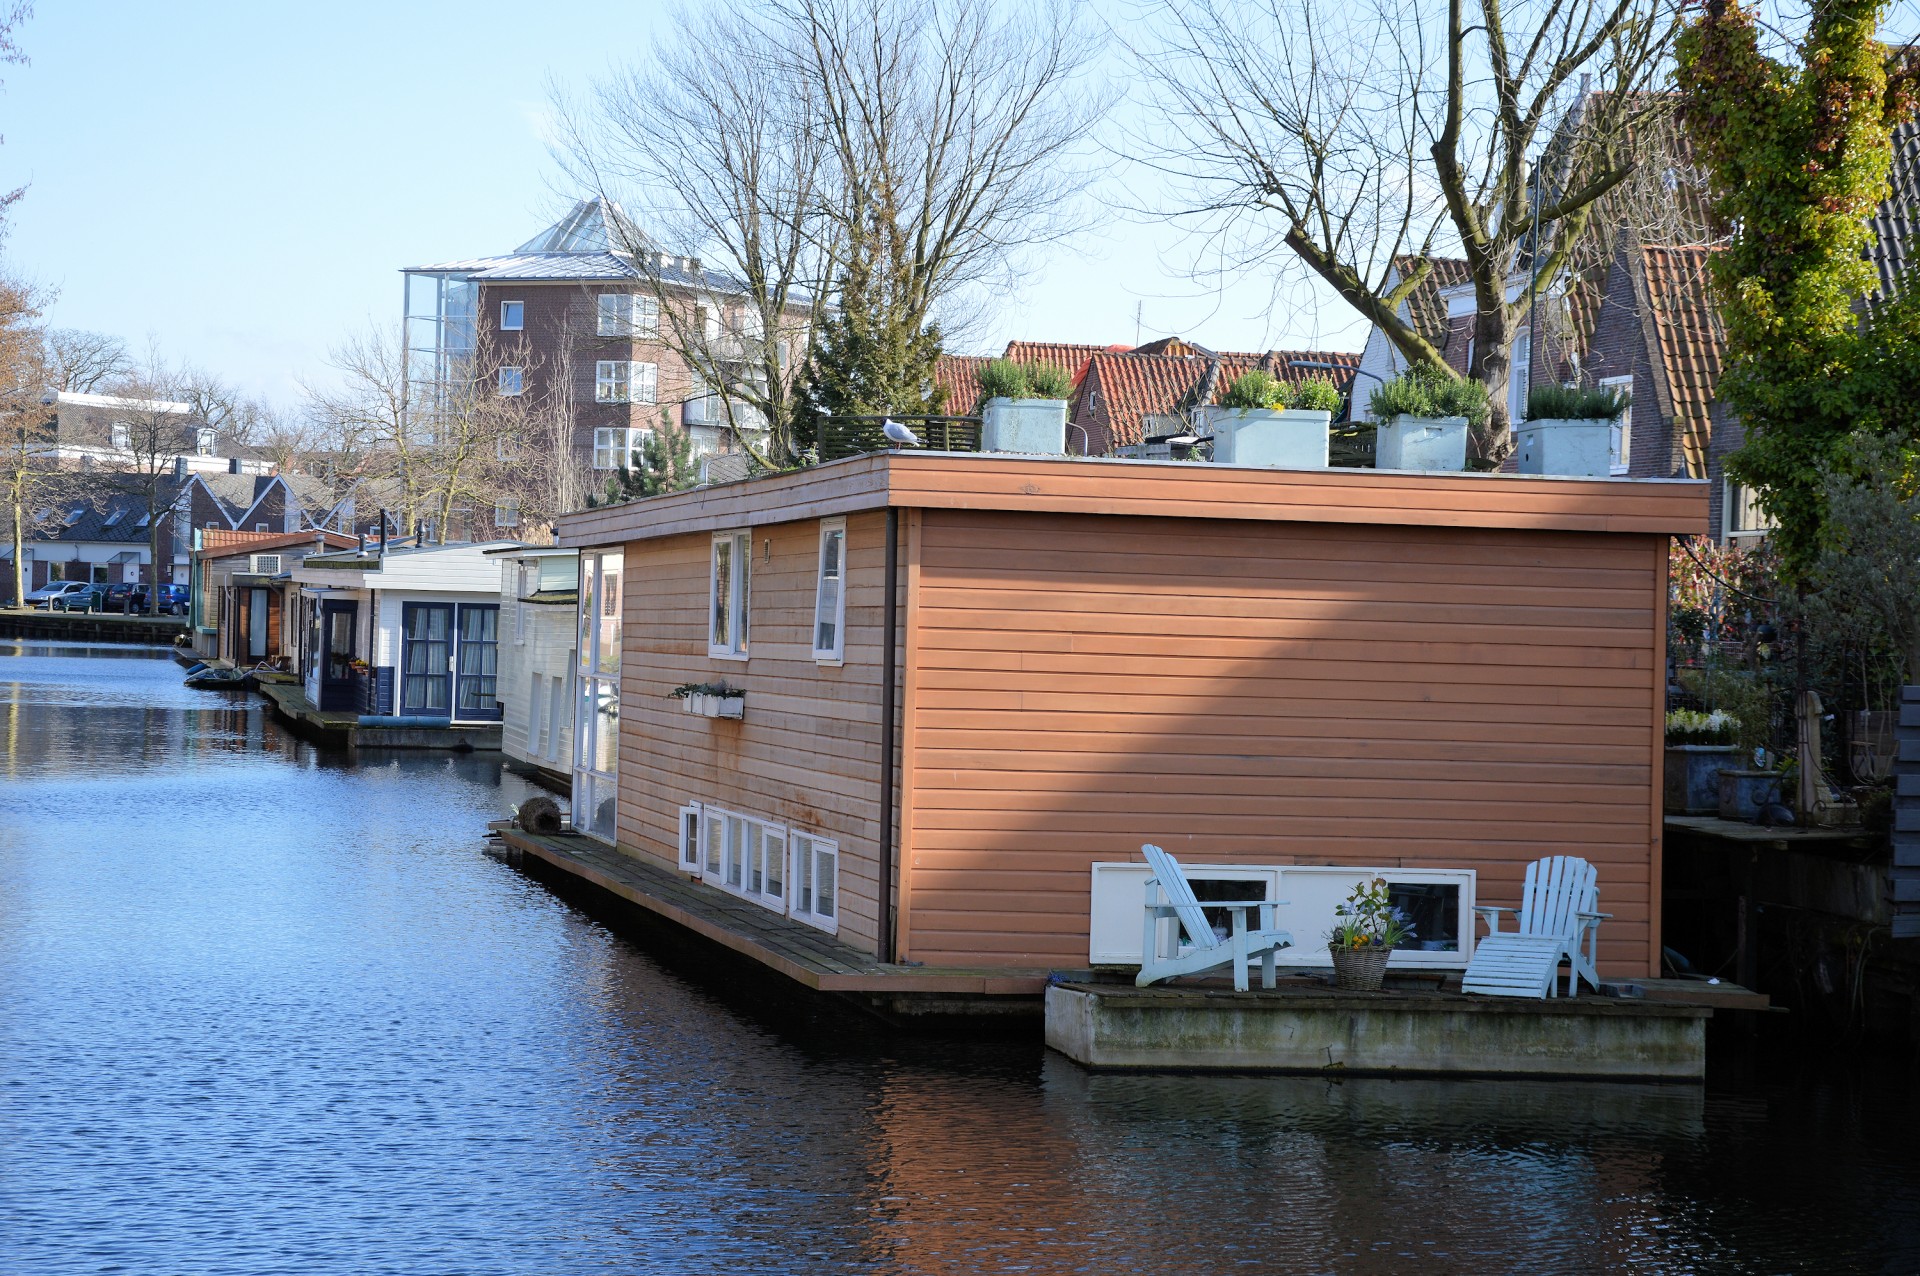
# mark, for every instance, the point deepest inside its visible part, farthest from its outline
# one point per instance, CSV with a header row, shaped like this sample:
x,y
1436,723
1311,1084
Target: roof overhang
x,y
1158,489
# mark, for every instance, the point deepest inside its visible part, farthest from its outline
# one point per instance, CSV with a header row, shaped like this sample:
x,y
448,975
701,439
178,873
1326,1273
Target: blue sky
x,y
242,182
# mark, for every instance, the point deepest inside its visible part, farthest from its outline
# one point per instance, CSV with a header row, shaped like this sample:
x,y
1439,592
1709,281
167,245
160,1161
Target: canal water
x,y
266,1009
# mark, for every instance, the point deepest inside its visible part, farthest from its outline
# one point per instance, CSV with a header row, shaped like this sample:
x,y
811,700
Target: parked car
x,y
174,599
86,598
125,597
43,597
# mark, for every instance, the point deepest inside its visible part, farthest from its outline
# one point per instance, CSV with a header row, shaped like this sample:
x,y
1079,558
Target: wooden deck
x,y
803,954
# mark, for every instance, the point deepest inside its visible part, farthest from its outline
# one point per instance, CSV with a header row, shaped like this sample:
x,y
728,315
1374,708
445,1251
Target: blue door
x,y
478,663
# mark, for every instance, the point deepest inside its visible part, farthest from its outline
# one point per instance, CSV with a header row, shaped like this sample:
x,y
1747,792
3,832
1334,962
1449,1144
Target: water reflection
x,y
266,1008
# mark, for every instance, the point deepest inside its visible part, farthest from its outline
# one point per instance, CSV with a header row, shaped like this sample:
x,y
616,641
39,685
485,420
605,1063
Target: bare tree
x,y
374,412
11,16
158,431
1359,136
80,362
30,474
951,128
720,156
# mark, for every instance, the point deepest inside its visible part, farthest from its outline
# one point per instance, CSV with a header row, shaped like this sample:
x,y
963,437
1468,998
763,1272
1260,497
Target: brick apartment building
x,y
576,311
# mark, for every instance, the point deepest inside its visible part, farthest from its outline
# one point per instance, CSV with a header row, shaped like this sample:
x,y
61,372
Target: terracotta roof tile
x,y
1691,342
958,375
1425,308
1122,390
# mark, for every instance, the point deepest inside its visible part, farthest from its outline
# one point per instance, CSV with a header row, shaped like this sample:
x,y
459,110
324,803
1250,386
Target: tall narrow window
x,y
1620,443
690,838
816,881
1519,375
732,559
122,436
612,381
513,316
830,596
643,381
509,382
646,316
203,441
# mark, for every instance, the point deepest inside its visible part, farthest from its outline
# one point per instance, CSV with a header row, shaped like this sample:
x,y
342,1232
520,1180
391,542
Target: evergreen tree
x,y
666,464
869,359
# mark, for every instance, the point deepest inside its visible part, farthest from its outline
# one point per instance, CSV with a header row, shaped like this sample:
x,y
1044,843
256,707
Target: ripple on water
x,y
264,1010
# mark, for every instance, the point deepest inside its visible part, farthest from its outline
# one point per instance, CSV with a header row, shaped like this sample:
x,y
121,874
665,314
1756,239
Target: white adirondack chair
x,y
1169,896
1555,922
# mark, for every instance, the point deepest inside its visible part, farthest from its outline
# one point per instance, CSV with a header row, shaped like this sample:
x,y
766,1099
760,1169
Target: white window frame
x,y
612,381
739,595
506,512
810,853
1519,374
643,317
742,855
120,436
1620,443
1730,499
204,441
832,611
510,381
690,844
643,382
615,444
513,316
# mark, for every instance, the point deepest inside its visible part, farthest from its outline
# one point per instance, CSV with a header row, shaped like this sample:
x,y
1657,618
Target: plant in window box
x,y
1264,421
1369,928
1569,430
710,699
1424,418
1023,407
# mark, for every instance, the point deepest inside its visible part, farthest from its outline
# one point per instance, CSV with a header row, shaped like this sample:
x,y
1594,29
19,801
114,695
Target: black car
x,y
125,597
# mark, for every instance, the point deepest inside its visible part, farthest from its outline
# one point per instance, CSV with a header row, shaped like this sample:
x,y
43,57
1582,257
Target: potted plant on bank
x,y
1264,421
1024,408
1699,746
710,699
1368,930
1424,418
1569,430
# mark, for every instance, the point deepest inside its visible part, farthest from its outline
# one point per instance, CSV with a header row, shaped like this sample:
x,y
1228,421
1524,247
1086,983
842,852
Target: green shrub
x,y
1002,379
1047,382
1315,394
1422,392
1255,389
1576,403
1005,379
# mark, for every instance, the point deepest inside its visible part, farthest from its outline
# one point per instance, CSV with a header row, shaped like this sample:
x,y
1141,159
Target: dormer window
x,y
121,436
203,441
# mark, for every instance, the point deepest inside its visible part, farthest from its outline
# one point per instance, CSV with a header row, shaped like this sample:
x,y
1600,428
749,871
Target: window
x,y
513,316
203,441
1620,446
627,315
708,318
732,563
612,381
1741,511
510,381
690,838
816,881
213,524
115,517
1519,375
507,512
830,595
259,527
614,447
122,436
644,378
596,723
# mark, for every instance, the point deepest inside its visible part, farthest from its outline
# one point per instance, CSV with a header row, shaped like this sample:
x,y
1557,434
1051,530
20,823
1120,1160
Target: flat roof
x,y
1163,489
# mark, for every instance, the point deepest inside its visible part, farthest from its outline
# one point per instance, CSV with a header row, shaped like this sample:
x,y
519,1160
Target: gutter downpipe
x,y
891,626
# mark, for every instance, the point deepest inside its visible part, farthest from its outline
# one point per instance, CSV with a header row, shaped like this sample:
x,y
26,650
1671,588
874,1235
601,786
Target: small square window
x,y
510,382
614,447
612,381
507,512
513,316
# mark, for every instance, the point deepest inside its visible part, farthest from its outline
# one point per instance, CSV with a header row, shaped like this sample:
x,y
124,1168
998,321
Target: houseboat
x,y
930,706
539,597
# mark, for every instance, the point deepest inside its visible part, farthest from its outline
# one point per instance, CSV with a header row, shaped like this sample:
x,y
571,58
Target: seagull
x,y
898,434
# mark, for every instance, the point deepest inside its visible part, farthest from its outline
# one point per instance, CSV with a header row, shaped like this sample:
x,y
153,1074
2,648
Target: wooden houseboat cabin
x,y
243,607
1305,675
410,632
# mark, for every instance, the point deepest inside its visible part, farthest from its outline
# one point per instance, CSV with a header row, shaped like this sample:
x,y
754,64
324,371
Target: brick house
x,y
575,314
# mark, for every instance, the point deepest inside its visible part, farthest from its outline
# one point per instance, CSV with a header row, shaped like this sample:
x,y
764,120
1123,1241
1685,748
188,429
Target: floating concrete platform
x,y
343,730
1303,1028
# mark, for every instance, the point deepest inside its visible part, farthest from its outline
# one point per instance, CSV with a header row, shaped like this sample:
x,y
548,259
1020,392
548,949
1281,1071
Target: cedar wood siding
x,y
1272,693
807,754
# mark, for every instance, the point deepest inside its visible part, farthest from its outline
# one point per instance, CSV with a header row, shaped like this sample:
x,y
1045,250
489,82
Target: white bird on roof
x,y
898,434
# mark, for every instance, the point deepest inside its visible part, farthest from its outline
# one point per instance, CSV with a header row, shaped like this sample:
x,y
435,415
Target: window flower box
x,y
1281,438
711,701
